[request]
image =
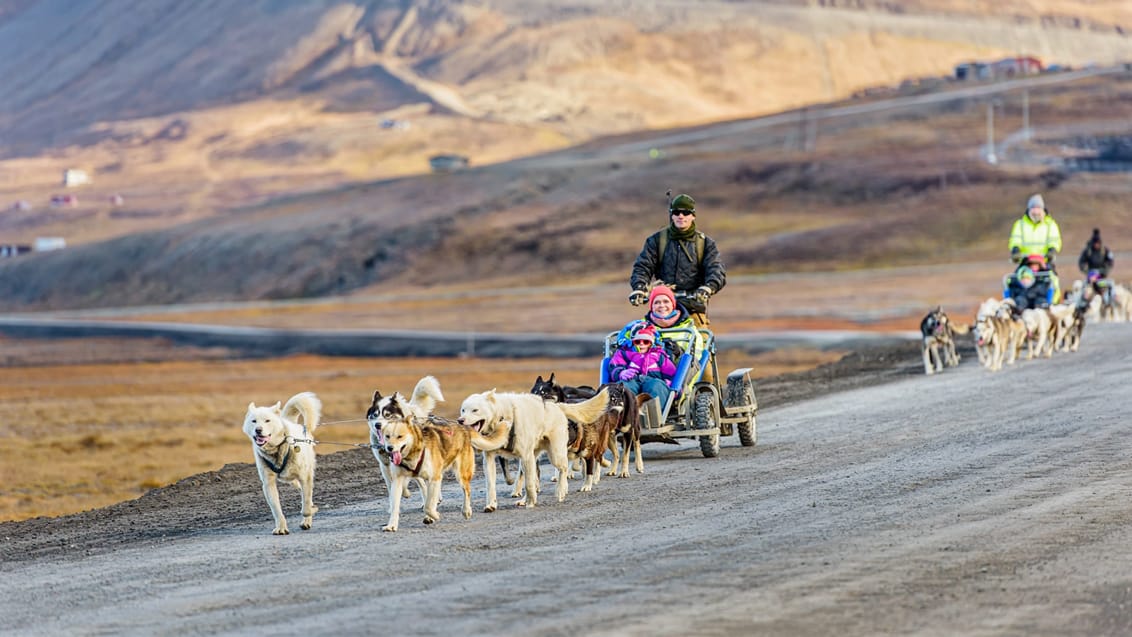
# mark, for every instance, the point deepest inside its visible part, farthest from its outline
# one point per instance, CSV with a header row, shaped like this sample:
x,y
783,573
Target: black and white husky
x,y
419,407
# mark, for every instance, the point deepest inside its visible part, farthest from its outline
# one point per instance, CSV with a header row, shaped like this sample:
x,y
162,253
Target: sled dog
x,y
425,451
624,407
419,406
990,307
938,346
537,425
1120,309
284,450
1000,337
1076,329
551,390
1039,328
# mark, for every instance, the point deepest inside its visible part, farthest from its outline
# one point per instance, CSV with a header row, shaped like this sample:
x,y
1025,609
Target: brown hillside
x,y
202,114
904,187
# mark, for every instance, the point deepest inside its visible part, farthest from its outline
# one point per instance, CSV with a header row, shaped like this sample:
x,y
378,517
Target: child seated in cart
x,y
643,365
1028,289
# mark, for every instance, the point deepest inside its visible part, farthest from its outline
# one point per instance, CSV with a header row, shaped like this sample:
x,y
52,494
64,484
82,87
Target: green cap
x,y
682,202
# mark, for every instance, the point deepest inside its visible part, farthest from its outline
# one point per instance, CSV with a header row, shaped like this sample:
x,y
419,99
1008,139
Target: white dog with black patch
x,y
537,425
283,451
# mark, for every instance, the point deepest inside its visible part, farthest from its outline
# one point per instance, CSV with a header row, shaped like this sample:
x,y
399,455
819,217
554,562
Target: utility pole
x,y
812,134
1026,114
991,157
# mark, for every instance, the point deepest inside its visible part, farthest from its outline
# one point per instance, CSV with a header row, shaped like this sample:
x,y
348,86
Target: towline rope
x,y
329,442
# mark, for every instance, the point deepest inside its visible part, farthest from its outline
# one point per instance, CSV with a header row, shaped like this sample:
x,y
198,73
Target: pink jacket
x,y
654,360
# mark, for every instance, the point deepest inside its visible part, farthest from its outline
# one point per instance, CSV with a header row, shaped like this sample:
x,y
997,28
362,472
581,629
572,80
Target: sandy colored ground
x,y
91,423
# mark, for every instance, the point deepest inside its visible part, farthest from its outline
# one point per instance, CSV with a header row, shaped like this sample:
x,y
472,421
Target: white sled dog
x,y
283,452
419,407
537,425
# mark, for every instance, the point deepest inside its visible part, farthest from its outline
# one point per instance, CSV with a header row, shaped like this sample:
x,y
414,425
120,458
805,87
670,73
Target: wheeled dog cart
x,y
696,408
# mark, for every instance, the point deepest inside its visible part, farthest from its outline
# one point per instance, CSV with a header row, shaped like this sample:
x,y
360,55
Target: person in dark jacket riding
x,y
1095,263
1027,290
683,258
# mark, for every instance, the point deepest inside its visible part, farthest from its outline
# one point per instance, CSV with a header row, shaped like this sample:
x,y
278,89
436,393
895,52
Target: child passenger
x,y
643,365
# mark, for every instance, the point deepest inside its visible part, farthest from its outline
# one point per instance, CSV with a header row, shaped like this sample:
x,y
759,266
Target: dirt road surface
x,y
878,501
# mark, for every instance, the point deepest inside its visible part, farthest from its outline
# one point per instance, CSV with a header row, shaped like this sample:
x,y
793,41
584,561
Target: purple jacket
x,y
654,360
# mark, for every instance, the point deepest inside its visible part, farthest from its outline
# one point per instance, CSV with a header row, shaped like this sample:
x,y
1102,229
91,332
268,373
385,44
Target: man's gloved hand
x,y
627,374
638,297
703,293
1016,254
1051,254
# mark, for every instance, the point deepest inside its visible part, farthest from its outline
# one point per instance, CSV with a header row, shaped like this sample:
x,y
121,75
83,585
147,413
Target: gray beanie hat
x,y
1036,201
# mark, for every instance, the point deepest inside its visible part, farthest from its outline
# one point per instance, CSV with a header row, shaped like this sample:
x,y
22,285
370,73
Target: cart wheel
x,y
744,394
703,417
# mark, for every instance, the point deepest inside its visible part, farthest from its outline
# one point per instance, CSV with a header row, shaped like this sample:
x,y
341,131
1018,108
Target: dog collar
x,y
415,470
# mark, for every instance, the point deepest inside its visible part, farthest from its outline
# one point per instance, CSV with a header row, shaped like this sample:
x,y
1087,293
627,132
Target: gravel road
x,y
877,501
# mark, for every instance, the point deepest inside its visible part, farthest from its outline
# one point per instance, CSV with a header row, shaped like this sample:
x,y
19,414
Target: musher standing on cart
x,y
1036,233
683,258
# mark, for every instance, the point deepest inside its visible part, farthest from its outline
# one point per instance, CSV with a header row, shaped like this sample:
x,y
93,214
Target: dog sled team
x,y
414,446
1033,313
572,426
660,384
658,379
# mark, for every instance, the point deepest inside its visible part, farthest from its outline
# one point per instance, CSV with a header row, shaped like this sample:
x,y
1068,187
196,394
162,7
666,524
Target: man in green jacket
x,y
682,257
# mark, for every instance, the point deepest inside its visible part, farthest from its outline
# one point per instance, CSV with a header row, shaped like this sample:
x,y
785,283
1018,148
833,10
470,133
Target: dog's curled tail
x,y
588,411
306,405
496,441
426,394
960,328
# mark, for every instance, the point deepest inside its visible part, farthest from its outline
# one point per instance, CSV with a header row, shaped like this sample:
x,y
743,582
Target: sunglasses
x,y
642,342
684,213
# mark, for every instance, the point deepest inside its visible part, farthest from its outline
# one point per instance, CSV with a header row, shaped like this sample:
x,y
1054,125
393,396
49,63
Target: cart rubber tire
x,y
703,417
748,431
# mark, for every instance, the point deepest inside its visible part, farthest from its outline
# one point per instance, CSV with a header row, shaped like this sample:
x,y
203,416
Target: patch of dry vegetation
x,y
82,436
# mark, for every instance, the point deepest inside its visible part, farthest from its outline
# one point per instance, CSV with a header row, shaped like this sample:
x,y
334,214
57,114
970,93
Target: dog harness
x,y
415,470
271,465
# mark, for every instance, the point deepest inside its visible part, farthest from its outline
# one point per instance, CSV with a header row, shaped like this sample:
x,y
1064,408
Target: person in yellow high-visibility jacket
x,y
1036,233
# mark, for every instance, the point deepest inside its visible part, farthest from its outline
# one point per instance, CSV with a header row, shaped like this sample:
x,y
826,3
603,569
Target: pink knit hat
x,y
662,290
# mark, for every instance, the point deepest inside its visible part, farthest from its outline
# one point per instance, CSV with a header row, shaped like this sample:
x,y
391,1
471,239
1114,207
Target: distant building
x,y
13,250
447,163
73,177
46,244
1004,68
973,71
1016,66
